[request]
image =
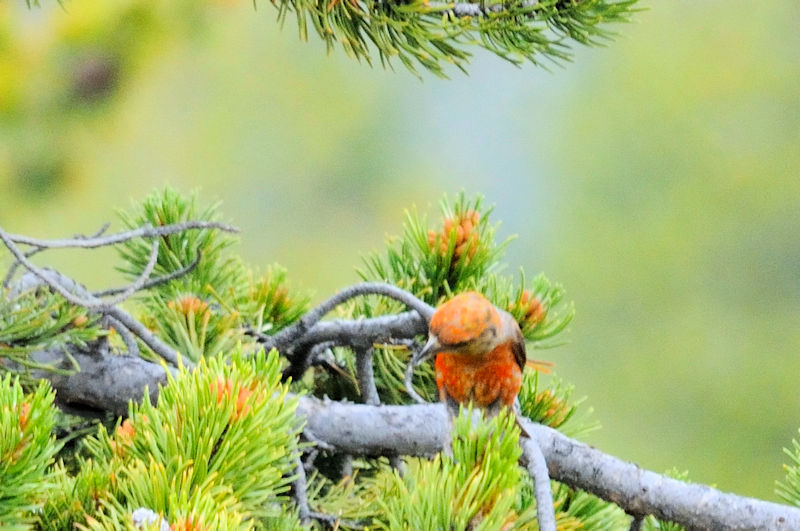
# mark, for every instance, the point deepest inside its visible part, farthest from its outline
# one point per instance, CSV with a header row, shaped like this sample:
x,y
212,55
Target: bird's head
x,y
466,324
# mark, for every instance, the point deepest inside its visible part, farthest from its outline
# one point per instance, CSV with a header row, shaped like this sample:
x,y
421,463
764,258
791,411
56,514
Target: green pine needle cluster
x,y
205,311
200,458
434,33
789,488
474,488
37,319
552,405
579,510
27,449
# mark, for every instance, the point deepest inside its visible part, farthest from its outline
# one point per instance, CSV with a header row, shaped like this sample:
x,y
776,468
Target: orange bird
x,y
480,353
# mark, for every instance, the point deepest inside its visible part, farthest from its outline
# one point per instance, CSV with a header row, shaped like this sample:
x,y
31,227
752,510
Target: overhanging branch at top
x,y
431,34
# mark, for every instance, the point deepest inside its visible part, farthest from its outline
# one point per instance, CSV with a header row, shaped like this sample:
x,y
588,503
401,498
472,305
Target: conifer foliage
x,y
27,449
221,447
433,33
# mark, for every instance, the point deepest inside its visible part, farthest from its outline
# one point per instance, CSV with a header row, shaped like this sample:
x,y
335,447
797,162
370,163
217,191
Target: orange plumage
x,y
480,353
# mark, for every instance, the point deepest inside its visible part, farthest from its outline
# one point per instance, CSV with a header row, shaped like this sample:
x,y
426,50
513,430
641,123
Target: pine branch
x,y
537,467
434,33
296,341
78,295
106,382
158,281
421,430
120,237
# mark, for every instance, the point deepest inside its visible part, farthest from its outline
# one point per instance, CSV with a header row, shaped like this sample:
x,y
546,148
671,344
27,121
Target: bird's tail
x,y
539,365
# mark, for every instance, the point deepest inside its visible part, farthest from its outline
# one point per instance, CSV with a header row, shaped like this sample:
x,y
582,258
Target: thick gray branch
x,y
301,329
104,382
421,430
362,333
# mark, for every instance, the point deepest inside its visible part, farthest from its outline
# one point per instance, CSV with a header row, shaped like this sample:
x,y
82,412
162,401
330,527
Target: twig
x,y
125,334
537,468
156,345
13,269
408,378
299,492
636,523
292,333
366,378
354,333
90,302
316,355
140,281
146,231
153,282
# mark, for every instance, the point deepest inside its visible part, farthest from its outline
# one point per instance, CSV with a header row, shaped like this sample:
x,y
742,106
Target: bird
x,y
480,354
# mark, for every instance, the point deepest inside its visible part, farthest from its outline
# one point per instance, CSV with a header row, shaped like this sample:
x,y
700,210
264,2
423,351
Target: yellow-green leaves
x,y
27,449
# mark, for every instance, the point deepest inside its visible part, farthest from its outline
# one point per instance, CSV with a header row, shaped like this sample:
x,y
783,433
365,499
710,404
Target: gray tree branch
x,y
146,231
108,383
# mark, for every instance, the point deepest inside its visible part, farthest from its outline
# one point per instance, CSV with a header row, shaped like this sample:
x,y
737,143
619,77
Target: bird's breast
x,y
482,379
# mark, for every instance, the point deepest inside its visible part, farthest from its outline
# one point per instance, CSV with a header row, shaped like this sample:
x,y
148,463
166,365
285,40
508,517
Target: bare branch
x,y
408,376
140,281
291,334
13,269
102,241
537,468
640,491
60,283
299,492
355,333
366,378
48,278
79,296
158,280
103,383
125,334
155,344
409,384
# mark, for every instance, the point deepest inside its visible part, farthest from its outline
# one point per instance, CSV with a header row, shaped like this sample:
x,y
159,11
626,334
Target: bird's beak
x,y
430,348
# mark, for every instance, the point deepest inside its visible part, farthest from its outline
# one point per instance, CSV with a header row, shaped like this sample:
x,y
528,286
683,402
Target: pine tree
x,y
221,445
222,362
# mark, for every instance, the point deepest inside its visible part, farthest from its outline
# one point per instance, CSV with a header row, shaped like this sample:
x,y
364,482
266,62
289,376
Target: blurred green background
x,y
657,179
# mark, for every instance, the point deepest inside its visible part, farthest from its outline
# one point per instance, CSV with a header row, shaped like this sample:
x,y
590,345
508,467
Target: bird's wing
x,y
518,348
